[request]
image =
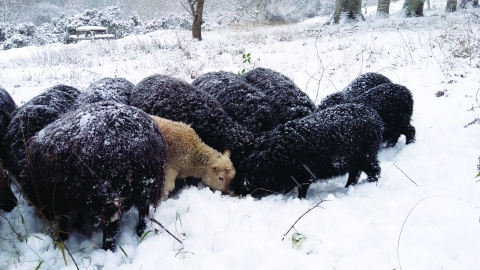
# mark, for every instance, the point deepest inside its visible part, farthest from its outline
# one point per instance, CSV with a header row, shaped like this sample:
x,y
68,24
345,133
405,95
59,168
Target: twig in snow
x,y
406,45
411,210
313,207
160,224
476,97
405,174
475,121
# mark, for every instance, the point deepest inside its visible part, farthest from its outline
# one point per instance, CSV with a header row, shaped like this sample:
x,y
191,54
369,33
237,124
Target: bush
x,y
6,31
16,41
116,21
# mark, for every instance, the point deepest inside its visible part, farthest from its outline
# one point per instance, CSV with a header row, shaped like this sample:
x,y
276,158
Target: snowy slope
x,y
422,214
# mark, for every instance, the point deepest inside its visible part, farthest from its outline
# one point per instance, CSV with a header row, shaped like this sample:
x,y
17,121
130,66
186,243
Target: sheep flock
x,y
118,146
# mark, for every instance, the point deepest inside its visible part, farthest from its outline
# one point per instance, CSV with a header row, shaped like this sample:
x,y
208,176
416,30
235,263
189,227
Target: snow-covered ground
x,y
422,214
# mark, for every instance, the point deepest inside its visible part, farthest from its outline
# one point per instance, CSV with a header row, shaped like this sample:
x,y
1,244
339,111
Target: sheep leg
x,y
142,219
302,190
170,176
110,234
390,137
373,171
62,227
353,176
410,134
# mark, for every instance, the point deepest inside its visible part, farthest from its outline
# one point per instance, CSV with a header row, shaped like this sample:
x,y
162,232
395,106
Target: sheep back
x,y
107,89
216,81
363,83
288,100
243,102
30,118
358,86
332,142
101,160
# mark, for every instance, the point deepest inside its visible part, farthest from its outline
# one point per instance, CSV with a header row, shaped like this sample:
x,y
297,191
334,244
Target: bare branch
x,y
188,10
160,224
405,174
313,207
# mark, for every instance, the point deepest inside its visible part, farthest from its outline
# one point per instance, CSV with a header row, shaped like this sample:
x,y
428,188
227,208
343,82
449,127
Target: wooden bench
x,y
91,33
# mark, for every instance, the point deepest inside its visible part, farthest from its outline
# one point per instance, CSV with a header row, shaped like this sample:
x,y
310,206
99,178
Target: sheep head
x,y
220,172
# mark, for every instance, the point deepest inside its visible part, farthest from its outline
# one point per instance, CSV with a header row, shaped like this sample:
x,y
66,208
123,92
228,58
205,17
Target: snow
x,y
391,224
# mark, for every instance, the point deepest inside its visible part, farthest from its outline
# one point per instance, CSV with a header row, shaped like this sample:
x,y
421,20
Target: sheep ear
x,y
227,153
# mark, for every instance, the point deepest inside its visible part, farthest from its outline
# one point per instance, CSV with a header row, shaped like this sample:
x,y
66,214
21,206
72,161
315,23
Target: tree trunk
x,y
413,8
348,9
451,6
383,8
463,3
197,20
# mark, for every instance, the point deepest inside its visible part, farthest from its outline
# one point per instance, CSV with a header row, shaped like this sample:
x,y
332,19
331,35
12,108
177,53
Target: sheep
x,y
7,199
113,89
289,102
7,107
100,160
332,142
243,102
30,118
177,100
188,156
358,86
394,104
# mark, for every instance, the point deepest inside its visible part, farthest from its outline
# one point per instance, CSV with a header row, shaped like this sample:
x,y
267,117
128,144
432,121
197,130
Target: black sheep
x,y
30,118
100,160
107,89
7,107
358,86
289,102
394,104
177,100
244,103
338,140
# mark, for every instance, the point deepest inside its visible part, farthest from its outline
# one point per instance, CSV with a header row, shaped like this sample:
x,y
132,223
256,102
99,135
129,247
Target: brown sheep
x,y
188,156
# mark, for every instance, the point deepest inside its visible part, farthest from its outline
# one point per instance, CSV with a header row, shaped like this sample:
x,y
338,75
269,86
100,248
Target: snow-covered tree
x,y
413,8
348,10
383,8
195,8
451,6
